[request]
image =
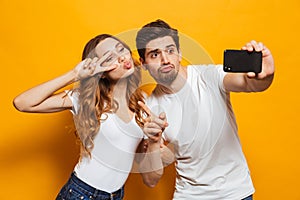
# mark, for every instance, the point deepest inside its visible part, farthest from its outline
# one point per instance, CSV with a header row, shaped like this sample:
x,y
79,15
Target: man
x,y
201,125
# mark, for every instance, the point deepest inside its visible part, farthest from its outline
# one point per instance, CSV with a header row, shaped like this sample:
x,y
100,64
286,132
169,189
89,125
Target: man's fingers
x,y
152,125
160,120
253,45
145,108
162,116
154,138
161,123
152,131
260,46
251,75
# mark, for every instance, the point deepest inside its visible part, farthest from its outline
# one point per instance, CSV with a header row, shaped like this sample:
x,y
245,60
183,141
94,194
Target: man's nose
x,y
164,57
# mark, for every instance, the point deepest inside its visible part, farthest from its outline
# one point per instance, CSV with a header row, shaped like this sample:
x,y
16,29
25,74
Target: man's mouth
x,y
166,69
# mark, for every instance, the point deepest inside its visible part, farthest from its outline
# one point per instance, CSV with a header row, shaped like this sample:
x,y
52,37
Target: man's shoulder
x,y
205,70
151,98
204,67
209,74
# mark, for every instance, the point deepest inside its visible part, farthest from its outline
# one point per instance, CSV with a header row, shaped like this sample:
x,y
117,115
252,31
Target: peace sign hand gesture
x,y
90,67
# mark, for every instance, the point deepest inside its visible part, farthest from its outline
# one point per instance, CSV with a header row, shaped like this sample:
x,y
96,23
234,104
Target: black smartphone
x,y
242,61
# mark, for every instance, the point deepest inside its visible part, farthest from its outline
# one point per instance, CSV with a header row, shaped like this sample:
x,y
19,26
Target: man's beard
x,y
167,78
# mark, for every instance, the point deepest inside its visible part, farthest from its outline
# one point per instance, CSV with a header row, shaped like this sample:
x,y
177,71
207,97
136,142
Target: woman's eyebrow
x,y
119,43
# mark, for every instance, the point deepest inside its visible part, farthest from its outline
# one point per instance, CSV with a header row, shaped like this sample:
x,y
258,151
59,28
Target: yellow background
x,y
43,39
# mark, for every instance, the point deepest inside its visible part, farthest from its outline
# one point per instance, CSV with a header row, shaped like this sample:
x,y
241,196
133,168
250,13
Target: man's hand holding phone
x,y
254,58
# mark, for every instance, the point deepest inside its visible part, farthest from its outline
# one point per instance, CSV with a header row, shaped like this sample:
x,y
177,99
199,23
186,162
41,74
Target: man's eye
x,y
170,51
154,55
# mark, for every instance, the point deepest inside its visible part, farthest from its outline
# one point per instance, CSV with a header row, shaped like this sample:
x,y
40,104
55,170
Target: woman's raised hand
x,y
90,67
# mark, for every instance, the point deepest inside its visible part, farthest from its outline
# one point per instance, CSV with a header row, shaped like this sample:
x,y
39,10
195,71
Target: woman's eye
x,y
108,59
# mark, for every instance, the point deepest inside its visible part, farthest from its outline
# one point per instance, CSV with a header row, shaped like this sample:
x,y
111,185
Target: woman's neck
x,y
119,95
119,90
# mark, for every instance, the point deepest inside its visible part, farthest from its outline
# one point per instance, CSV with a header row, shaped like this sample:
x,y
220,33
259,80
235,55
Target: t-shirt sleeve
x,y
213,76
73,95
221,75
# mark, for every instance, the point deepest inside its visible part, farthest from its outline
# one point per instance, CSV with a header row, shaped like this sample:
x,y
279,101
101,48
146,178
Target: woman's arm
x,y
43,98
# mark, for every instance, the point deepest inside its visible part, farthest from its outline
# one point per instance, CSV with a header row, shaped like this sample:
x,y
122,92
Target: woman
x,y
106,114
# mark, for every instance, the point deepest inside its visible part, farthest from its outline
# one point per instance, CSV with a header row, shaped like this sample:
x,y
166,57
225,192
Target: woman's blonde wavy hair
x,y
95,99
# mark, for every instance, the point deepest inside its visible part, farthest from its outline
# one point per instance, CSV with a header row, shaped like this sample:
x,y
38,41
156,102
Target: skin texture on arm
x,y
251,82
152,153
152,157
42,98
150,162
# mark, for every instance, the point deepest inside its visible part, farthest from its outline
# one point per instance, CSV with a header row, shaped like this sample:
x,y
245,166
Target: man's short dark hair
x,y
154,30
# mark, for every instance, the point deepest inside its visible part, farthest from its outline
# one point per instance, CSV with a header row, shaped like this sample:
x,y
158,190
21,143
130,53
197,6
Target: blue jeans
x,y
77,189
248,198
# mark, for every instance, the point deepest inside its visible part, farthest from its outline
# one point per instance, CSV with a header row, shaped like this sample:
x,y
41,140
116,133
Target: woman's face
x,y
112,52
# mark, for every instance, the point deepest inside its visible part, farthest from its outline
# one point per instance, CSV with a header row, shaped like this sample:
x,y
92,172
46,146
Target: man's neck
x,y
180,80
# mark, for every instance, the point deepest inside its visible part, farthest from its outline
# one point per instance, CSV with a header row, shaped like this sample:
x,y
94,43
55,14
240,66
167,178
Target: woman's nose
x,y
121,59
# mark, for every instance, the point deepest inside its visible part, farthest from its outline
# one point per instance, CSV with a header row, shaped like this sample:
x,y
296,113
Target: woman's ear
x,y
101,76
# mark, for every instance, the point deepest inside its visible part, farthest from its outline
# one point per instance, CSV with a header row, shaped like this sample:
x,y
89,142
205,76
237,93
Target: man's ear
x,y
180,55
143,64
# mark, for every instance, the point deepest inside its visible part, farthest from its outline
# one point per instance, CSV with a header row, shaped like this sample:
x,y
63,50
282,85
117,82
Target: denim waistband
x,y
89,190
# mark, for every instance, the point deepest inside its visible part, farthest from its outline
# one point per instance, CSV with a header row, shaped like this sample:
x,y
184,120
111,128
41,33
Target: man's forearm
x,y
258,85
151,166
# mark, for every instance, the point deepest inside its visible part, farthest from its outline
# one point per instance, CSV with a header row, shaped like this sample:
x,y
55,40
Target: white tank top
x,y
113,153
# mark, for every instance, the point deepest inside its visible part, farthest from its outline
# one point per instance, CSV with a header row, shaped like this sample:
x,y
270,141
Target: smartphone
x,y
242,61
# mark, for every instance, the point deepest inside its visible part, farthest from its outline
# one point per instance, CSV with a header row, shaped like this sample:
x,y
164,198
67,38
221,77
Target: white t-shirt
x,y
210,163
113,152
